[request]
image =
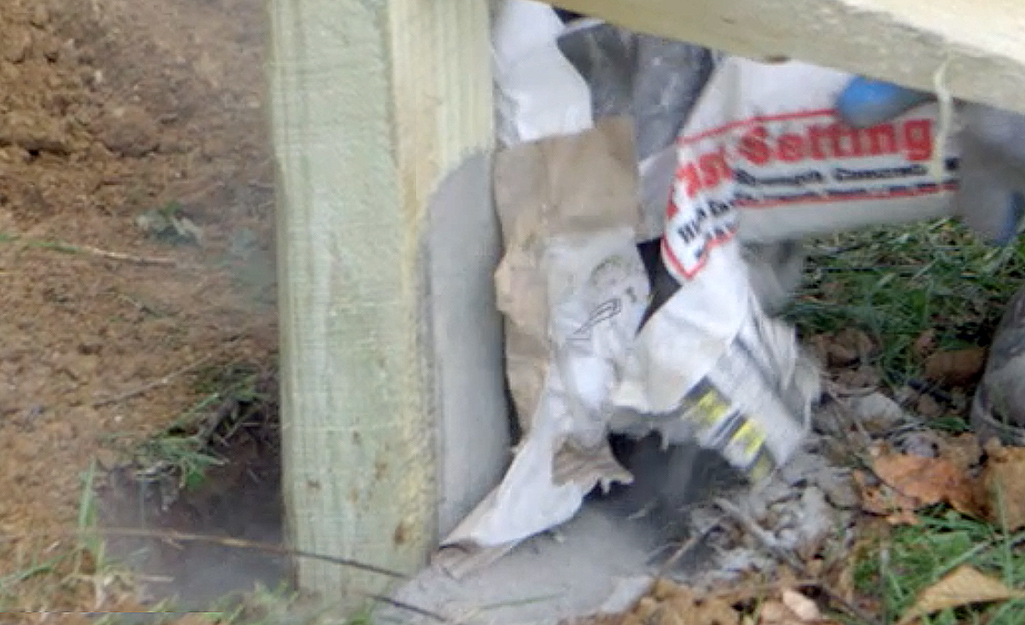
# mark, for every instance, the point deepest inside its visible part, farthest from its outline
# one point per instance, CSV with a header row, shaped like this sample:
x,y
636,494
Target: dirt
x,y
110,109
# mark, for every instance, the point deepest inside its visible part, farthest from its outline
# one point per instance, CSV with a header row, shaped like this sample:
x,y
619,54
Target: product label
x,y
719,426
803,172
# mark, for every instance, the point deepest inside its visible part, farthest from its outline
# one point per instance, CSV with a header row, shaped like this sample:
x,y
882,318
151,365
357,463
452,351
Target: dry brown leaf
x,y
882,500
1004,477
956,368
929,481
669,603
792,609
773,612
804,608
962,586
963,451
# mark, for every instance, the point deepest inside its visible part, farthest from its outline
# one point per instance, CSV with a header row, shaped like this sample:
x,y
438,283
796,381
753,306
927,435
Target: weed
x,y
67,573
233,399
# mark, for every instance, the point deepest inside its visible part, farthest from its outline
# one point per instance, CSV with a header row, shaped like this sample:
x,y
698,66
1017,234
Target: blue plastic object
x,y
865,102
992,169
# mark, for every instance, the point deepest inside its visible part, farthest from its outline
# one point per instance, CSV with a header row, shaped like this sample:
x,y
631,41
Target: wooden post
x,y
979,44
373,103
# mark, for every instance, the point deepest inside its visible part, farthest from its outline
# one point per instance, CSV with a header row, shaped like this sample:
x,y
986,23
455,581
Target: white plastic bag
x,y
764,138
556,79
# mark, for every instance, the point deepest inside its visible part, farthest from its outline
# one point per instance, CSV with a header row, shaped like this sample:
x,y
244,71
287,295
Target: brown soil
x,y
109,109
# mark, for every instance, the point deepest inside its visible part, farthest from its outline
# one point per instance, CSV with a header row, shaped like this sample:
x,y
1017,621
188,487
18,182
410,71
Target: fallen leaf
x,y
963,451
964,585
882,500
669,603
792,608
773,612
818,344
803,607
930,481
1004,478
959,367
857,341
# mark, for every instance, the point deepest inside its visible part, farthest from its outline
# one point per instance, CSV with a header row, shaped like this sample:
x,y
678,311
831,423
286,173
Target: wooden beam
x,y
979,43
373,102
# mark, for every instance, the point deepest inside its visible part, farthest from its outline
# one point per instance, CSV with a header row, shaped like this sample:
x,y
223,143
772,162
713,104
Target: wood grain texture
x,y
980,43
373,102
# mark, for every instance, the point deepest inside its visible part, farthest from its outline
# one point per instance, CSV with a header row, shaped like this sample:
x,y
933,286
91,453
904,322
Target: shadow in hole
x,y
239,499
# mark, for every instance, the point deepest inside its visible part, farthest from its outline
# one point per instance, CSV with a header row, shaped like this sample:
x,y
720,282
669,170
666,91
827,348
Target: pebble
x,y
40,16
129,131
14,47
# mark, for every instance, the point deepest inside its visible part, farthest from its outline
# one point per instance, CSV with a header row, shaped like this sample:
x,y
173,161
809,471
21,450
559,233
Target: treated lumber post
x,y
377,106
980,44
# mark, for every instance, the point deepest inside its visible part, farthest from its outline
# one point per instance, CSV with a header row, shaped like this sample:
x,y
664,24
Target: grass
x,y
60,574
913,558
232,398
896,283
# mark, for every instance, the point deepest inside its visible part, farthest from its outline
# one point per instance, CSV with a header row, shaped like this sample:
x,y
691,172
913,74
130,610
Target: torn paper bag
x,y
573,288
709,363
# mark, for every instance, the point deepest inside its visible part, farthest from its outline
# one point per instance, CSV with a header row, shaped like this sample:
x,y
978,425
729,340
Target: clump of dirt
x,y
110,109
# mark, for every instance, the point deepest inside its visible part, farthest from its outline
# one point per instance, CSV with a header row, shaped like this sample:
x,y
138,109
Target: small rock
x,y
68,54
816,517
904,395
40,16
876,412
129,131
50,48
97,151
166,225
839,489
89,347
924,443
14,47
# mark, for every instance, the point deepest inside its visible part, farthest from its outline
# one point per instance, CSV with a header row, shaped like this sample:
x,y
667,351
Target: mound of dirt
x,y
110,109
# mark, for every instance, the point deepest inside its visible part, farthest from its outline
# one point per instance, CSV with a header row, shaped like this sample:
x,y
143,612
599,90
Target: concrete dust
x,y
240,499
109,109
